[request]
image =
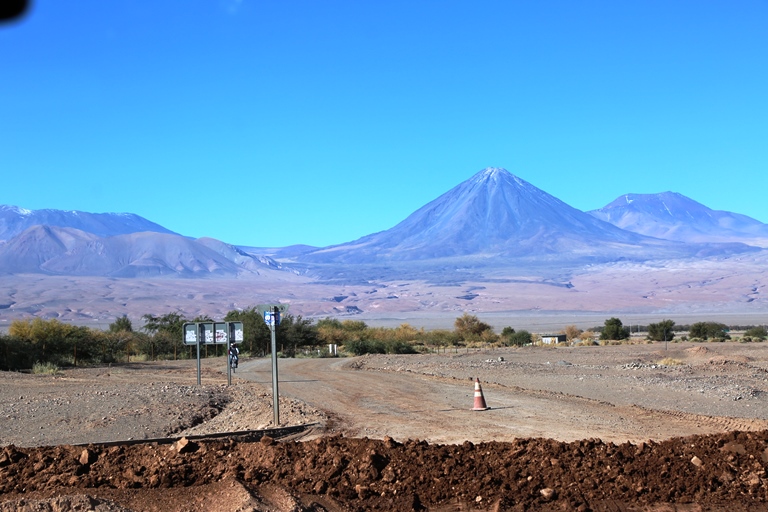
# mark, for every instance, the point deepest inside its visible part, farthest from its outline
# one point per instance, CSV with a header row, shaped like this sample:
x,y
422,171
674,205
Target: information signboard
x,y
218,333
221,333
214,333
207,332
235,332
190,334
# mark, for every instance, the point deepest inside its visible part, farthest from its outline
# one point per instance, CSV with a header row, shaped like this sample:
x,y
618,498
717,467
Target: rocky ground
x,y
725,386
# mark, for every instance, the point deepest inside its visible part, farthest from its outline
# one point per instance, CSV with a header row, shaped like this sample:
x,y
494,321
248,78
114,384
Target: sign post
x,y
272,314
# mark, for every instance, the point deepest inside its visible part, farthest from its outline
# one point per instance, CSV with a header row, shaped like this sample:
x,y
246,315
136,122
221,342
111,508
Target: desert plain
x,y
643,426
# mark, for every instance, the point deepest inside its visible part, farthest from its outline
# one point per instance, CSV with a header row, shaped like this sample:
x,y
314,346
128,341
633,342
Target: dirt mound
x,y
717,472
731,359
697,351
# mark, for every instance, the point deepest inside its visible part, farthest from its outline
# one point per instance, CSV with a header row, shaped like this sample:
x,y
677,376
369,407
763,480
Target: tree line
x,y
36,340
50,341
666,330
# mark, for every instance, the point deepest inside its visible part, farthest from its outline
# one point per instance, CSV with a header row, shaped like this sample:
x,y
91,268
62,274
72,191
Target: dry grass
x,y
670,361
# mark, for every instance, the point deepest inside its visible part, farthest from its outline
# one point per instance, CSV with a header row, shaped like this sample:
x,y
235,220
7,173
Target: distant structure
x,y
551,339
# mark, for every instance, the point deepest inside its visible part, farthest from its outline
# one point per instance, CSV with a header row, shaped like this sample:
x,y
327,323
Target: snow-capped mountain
x,y
15,220
499,216
673,216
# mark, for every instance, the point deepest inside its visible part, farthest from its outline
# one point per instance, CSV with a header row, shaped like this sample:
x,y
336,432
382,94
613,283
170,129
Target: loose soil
x,y
618,428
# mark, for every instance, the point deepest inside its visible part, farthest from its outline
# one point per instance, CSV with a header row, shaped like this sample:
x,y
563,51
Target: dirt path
x,y
437,408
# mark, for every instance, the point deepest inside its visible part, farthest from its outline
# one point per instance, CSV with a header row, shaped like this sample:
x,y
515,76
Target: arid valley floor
x,y
625,427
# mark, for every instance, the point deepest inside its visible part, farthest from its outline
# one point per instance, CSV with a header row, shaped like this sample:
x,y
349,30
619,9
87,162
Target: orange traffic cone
x,y
479,399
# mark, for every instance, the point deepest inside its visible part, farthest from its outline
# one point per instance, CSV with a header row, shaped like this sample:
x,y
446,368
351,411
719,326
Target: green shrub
x,y
45,368
757,332
362,347
400,347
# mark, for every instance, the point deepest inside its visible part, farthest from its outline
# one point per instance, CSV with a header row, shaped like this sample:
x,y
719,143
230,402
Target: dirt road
x,y
616,393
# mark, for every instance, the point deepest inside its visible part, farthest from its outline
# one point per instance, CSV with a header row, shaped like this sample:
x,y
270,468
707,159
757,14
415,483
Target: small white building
x,y
552,339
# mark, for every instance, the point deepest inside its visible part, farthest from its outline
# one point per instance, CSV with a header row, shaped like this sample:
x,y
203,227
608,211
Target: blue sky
x,y
272,123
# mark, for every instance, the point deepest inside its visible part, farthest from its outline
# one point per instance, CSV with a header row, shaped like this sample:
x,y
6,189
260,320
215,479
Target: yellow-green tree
x,y
470,328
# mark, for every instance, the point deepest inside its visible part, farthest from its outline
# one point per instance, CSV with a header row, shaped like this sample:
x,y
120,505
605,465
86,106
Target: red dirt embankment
x,y
715,472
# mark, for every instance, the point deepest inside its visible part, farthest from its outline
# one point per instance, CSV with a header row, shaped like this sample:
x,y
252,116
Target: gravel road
x,y
615,393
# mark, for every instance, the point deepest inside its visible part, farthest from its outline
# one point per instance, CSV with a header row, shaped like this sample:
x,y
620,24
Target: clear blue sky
x,y
269,123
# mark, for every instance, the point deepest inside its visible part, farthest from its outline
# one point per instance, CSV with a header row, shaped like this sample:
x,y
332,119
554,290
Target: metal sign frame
x,y
212,333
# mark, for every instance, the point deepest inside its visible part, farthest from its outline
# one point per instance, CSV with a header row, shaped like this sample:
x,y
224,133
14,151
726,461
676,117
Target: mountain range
x,y
494,219
493,243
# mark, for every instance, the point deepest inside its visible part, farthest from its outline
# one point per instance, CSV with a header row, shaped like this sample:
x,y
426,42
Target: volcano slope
x,y
456,460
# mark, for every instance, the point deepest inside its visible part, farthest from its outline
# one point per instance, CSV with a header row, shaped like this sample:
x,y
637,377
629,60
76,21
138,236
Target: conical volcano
x,y
494,214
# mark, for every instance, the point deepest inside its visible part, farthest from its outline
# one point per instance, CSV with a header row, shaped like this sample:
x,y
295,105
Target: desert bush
x,y
519,338
470,328
669,361
606,343
709,330
400,347
756,332
362,347
661,331
15,353
46,368
614,330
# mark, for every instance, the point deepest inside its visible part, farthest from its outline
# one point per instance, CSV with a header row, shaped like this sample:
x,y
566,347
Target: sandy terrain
x,y
614,416
684,291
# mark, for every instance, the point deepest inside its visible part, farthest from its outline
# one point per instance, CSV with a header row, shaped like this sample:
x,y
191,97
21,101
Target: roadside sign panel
x,y
207,332
199,333
216,333
221,334
271,317
190,334
235,331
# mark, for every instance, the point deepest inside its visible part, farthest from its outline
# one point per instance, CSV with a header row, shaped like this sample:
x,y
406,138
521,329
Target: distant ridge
x,y
15,220
673,216
55,250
